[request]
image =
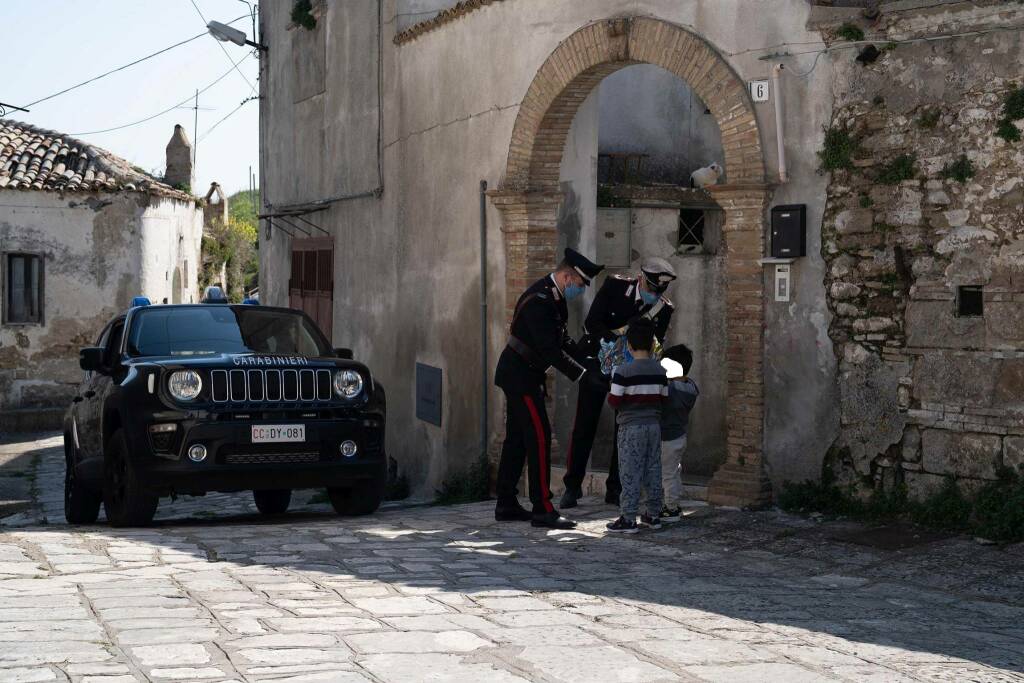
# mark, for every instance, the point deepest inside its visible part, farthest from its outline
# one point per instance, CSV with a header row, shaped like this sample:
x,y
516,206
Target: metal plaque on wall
x,y
428,394
613,237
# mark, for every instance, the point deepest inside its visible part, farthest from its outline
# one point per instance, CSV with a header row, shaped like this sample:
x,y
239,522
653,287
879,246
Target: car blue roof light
x,y
214,295
251,301
140,301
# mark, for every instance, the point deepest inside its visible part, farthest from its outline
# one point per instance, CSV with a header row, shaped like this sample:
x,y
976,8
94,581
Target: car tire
x,y
273,502
81,504
125,501
356,501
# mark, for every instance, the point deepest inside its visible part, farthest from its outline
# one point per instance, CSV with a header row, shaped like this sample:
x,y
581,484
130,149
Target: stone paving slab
x,y
214,593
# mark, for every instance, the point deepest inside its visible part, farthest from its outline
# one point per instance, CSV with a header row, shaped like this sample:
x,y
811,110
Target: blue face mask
x,y
572,291
650,298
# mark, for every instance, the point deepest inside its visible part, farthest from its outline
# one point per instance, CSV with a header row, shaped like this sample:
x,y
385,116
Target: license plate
x,y
278,433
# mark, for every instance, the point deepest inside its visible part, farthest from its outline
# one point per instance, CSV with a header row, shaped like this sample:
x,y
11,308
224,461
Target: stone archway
x,y
529,197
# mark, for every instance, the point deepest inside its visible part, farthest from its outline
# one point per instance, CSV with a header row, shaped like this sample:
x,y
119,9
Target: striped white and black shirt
x,y
638,390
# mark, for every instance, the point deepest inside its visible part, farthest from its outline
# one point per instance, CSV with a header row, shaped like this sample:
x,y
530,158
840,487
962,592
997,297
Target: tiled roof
x,y
440,19
36,159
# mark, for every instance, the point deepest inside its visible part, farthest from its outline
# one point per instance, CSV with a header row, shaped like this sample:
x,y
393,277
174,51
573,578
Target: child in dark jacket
x,y
638,390
682,396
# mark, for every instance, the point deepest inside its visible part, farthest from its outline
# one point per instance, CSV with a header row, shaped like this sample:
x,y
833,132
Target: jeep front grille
x,y
270,458
270,386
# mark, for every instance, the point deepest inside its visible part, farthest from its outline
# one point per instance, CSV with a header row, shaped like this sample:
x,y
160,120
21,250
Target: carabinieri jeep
x,y
186,399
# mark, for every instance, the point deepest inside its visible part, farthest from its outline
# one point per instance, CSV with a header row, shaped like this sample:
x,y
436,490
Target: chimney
x,y
179,160
215,209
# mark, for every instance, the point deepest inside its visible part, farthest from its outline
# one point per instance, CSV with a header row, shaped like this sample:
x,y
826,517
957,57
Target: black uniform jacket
x,y
616,303
539,332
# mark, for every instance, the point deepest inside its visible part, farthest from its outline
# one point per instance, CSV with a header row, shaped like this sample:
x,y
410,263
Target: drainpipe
x,y
484,385
779,135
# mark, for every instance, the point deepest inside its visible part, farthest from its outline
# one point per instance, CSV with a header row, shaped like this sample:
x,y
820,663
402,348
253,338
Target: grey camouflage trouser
x,y
640,468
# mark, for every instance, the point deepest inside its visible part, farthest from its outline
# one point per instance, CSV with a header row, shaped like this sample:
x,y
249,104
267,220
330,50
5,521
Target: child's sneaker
x,y
623,526
671,514
653,522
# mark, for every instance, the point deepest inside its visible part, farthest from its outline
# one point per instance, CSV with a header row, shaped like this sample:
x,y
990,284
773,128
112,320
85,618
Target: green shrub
x,y
929,119
302,14
850,32
838,151
999,509
899,169
947,509
960,170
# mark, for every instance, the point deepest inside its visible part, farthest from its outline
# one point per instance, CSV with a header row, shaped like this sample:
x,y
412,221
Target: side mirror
x,y
345,354
91,358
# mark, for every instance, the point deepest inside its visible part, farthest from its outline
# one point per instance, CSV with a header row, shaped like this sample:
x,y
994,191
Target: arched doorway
x,y
529,198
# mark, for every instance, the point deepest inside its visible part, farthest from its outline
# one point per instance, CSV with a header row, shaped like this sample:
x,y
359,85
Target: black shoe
x,y
671,514
623,526
552,520
512,513
612,498
652,522
570,498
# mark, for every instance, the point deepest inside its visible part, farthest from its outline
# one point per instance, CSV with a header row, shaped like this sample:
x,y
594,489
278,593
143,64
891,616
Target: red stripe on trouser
x,y
542,455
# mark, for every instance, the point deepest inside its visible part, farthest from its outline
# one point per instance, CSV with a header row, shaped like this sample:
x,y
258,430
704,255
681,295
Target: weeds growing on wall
x,y
899,169
929,118
850,32
302,14
960,170
1013,110
838,150
467,486
995,513
866,202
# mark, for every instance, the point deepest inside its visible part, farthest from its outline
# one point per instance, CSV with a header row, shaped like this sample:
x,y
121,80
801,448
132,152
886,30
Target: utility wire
x,y
221,46
169,109
229,115
130,64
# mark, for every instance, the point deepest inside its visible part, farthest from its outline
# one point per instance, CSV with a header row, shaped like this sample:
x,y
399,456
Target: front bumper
x,y
235,463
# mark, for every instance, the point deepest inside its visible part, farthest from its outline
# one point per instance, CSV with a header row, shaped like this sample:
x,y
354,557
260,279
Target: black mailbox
x,y
789,231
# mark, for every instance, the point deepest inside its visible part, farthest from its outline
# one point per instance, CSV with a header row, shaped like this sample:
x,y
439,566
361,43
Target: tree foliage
x,y
234,244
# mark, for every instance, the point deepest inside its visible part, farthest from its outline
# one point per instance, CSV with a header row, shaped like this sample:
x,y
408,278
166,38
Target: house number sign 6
x,y
759,90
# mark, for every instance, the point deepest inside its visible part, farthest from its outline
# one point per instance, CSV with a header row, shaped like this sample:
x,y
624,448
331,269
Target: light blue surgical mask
x,y
572,291
650,298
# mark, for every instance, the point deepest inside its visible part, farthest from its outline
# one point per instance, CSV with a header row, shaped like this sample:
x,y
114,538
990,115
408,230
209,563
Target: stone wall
x,y
926,392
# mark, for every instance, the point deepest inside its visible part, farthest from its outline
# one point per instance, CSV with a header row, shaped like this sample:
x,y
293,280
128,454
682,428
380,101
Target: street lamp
x,y
227,34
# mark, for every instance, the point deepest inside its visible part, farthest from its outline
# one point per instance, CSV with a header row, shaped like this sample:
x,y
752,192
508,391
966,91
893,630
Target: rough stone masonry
x,y
927,390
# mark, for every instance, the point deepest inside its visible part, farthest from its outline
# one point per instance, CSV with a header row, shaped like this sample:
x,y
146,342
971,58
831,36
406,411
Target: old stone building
x,y
585,120
81,233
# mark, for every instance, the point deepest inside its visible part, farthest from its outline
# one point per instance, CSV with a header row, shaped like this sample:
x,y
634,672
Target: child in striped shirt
x,y
637,392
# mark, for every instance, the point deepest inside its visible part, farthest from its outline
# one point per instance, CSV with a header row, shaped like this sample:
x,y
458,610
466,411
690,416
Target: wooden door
x,y
311,286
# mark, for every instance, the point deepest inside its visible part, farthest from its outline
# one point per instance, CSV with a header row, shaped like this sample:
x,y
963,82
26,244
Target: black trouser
x,y
527,441
584,428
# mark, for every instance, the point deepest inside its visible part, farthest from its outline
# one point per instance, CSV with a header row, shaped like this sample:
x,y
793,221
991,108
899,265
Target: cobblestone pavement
x,y
446,594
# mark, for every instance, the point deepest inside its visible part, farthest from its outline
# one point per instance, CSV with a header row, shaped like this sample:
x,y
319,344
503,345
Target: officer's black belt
x,y
528,354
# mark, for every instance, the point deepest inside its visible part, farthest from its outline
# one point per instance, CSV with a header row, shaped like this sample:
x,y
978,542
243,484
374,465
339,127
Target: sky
x,y
59,43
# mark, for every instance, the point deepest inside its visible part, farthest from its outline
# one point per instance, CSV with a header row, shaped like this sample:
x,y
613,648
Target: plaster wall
x,y
91,268
171,233
407,263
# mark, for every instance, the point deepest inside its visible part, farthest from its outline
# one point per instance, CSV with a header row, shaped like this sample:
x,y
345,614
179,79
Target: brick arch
x,y
593,52
529,198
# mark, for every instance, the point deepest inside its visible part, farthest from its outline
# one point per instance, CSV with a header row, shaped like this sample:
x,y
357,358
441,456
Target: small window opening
x,y
691,229
23,290
969,302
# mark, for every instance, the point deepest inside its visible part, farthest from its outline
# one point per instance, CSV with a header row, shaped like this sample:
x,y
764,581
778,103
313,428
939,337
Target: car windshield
x,y
206,330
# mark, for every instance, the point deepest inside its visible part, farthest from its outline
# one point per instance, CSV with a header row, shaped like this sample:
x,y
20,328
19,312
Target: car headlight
x,y
348,383
184,385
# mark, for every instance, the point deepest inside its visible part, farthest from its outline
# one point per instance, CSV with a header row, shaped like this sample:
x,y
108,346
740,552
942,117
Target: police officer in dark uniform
x,y
619,300
538,340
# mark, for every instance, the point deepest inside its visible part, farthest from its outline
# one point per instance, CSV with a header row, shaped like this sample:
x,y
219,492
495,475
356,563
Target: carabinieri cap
x,y
586,268
658,272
